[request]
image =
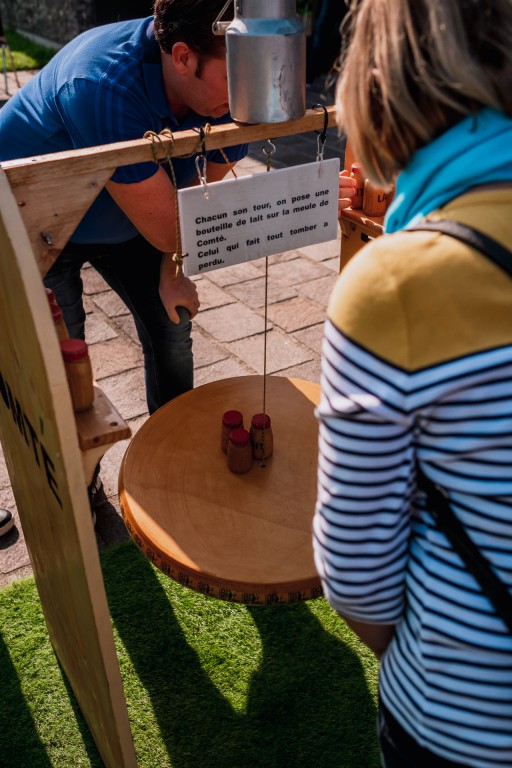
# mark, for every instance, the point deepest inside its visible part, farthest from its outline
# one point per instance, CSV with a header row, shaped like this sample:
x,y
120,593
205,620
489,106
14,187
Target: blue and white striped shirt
x,y
447,675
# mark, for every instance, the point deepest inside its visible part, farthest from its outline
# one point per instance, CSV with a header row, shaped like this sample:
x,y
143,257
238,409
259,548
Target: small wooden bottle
x,y
262,439
78,373
239,451
356,172
50,296
375,200
60,325
230,420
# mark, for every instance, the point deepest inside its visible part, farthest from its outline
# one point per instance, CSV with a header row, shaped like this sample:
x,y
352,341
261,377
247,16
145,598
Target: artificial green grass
x,y
25,53
208,684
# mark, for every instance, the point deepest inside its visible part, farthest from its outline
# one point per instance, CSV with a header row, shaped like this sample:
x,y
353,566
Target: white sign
x,y
238,220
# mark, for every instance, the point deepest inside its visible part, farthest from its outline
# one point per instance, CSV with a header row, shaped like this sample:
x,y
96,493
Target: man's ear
x,y
184,59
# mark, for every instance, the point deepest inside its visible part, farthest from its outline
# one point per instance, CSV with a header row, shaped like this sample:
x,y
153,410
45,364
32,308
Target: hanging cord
x,y
203,132
156,140
156,143
322,135
268,154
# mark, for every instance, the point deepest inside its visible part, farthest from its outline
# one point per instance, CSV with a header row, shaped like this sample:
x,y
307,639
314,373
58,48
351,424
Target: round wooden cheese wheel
x,y
240,537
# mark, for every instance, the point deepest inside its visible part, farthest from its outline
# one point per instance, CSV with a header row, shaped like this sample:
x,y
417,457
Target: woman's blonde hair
x,y
414,68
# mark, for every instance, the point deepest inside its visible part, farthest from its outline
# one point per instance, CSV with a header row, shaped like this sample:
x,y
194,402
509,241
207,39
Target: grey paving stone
x,y
282,351
295,313
307,371
93,282
252,292
322,251
127,325
211,296
235,274
112,357
229,323
333,264
112,459
111,304
206,351
225,369
4,475
297,271
276,258
97,329
127,392
312,338
319,290
23,572
13,549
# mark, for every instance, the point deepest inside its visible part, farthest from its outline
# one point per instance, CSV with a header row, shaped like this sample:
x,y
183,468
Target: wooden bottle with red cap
x,y
262,439
356,173
230,420
239,451
375,200
58,320
77,363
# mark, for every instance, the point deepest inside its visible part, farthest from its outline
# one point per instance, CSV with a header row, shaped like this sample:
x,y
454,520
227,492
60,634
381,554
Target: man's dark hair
x,y
190,22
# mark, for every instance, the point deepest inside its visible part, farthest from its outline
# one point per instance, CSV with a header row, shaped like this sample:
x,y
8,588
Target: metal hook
x,y
201,161
322,135
219,27
269,152
201,173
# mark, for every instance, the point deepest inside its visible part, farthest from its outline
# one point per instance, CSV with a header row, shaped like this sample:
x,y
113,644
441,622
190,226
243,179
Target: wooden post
x,y
39,438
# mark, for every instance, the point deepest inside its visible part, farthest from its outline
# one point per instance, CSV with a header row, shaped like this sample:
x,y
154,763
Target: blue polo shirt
x,y
104,86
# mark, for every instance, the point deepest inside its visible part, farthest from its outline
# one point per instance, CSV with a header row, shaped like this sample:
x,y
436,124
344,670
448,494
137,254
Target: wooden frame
x,y
50,454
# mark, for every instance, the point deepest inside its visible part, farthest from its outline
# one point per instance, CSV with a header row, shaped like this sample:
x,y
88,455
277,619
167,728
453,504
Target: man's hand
x,y
176,290
346,191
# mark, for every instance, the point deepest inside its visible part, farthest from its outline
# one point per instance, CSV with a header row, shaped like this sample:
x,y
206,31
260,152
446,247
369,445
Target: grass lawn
x,y
26,54
208,684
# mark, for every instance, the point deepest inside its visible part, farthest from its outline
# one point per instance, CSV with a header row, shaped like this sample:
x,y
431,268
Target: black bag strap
x,y
494,251
437,500
461,542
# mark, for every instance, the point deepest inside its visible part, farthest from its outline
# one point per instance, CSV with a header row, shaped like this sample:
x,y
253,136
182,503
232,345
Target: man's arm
x,y
151,207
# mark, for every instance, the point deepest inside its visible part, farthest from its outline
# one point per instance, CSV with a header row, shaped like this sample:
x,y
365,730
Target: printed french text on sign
x,y
238,220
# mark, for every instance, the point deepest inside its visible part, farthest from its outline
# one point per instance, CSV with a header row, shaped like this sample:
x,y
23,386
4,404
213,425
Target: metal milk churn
x,y
266,61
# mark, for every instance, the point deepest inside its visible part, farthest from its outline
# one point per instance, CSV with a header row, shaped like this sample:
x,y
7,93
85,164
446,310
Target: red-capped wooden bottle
x,y
262,439
239,451
77,363
356,172
230,420
60,325
375,200
50,296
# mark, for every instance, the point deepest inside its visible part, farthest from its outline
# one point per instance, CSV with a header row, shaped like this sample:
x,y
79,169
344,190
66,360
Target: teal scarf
x,y
477,150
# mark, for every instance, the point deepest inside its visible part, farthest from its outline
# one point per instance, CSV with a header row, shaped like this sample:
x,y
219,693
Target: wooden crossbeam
x,y
54,191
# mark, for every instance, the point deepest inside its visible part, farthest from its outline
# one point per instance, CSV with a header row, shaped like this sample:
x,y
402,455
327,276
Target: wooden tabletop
x,y
245,538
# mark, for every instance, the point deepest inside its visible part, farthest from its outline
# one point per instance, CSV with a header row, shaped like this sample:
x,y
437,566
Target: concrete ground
x,y
227,333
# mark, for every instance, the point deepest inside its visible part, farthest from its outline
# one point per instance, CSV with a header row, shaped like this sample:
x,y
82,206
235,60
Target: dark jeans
x,y
132,270
399,750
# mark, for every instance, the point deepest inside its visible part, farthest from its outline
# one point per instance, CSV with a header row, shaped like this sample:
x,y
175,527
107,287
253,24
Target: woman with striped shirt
x,y
417,373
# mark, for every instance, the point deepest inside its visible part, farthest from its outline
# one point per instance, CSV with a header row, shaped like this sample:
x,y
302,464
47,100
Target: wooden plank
x,y
356,230
54,191
100,425
92,159
39,439
52,205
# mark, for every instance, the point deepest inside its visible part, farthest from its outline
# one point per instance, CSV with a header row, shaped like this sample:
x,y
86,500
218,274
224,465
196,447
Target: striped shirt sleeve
x,y
362,521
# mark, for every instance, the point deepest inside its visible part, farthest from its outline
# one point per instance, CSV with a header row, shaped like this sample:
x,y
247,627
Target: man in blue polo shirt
x,y
114,83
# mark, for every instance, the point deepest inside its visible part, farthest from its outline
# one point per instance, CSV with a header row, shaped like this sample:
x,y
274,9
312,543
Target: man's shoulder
x,y
101,50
